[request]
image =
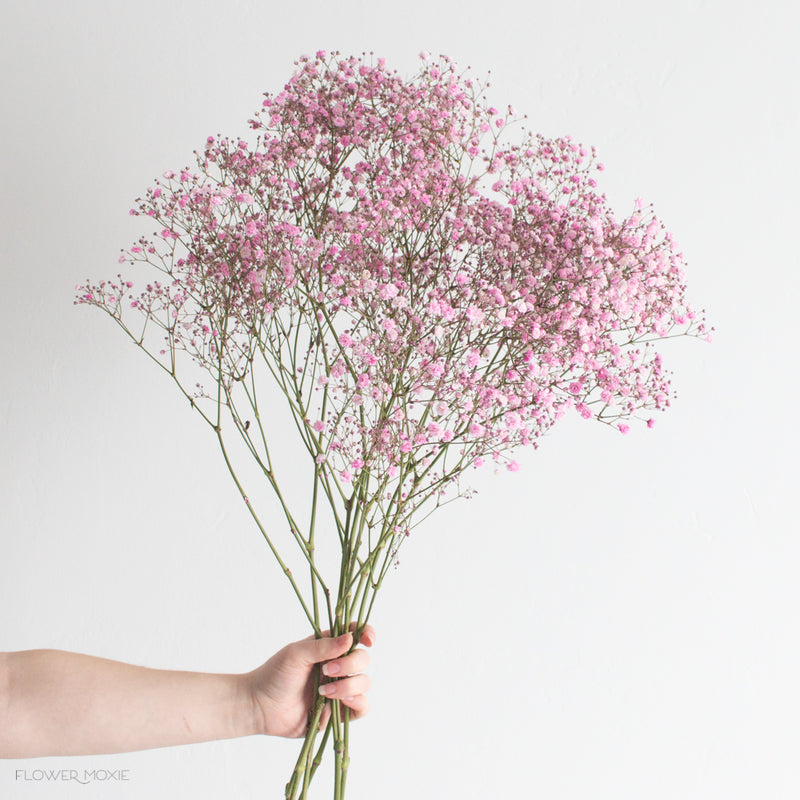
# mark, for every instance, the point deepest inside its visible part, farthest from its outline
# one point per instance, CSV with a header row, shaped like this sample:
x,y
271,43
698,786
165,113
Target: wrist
x,y
248,715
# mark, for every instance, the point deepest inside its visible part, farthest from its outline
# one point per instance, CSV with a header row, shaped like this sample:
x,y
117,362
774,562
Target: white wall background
x,y
617,620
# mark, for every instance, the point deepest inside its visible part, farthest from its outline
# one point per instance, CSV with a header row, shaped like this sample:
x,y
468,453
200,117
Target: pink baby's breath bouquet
x,y
426,290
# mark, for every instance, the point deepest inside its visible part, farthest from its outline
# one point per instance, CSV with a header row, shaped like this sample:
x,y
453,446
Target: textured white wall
x,y
616,620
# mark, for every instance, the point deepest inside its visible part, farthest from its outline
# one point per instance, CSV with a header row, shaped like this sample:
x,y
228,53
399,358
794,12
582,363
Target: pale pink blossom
x,y
434,430
415,277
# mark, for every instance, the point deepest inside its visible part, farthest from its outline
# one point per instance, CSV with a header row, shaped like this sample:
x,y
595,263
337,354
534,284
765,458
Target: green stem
x,y
250,508
302,766
318,757
311,547
346,752
338,750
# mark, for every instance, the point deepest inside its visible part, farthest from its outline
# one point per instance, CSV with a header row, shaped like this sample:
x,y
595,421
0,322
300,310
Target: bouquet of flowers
x,y
428,293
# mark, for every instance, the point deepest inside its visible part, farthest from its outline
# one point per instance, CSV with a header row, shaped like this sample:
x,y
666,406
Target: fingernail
x,y
331,669
327,689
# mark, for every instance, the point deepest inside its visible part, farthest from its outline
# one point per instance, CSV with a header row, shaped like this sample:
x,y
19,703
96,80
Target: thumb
x,y
314,651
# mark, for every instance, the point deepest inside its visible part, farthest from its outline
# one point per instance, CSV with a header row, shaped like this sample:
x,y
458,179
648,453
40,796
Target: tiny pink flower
x,y
512,420
475,315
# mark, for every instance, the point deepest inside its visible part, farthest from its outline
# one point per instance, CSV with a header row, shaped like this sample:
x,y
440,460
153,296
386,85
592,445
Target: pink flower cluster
x,y
418,285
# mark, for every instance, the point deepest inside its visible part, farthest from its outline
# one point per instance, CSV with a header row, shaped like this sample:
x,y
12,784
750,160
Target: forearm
x,y
58,703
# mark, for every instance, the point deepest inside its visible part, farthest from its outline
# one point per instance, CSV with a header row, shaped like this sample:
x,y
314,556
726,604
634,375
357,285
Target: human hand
x,y
282,689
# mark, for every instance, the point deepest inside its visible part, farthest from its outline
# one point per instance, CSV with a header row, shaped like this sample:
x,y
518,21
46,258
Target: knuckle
x,y
360,660
355,662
